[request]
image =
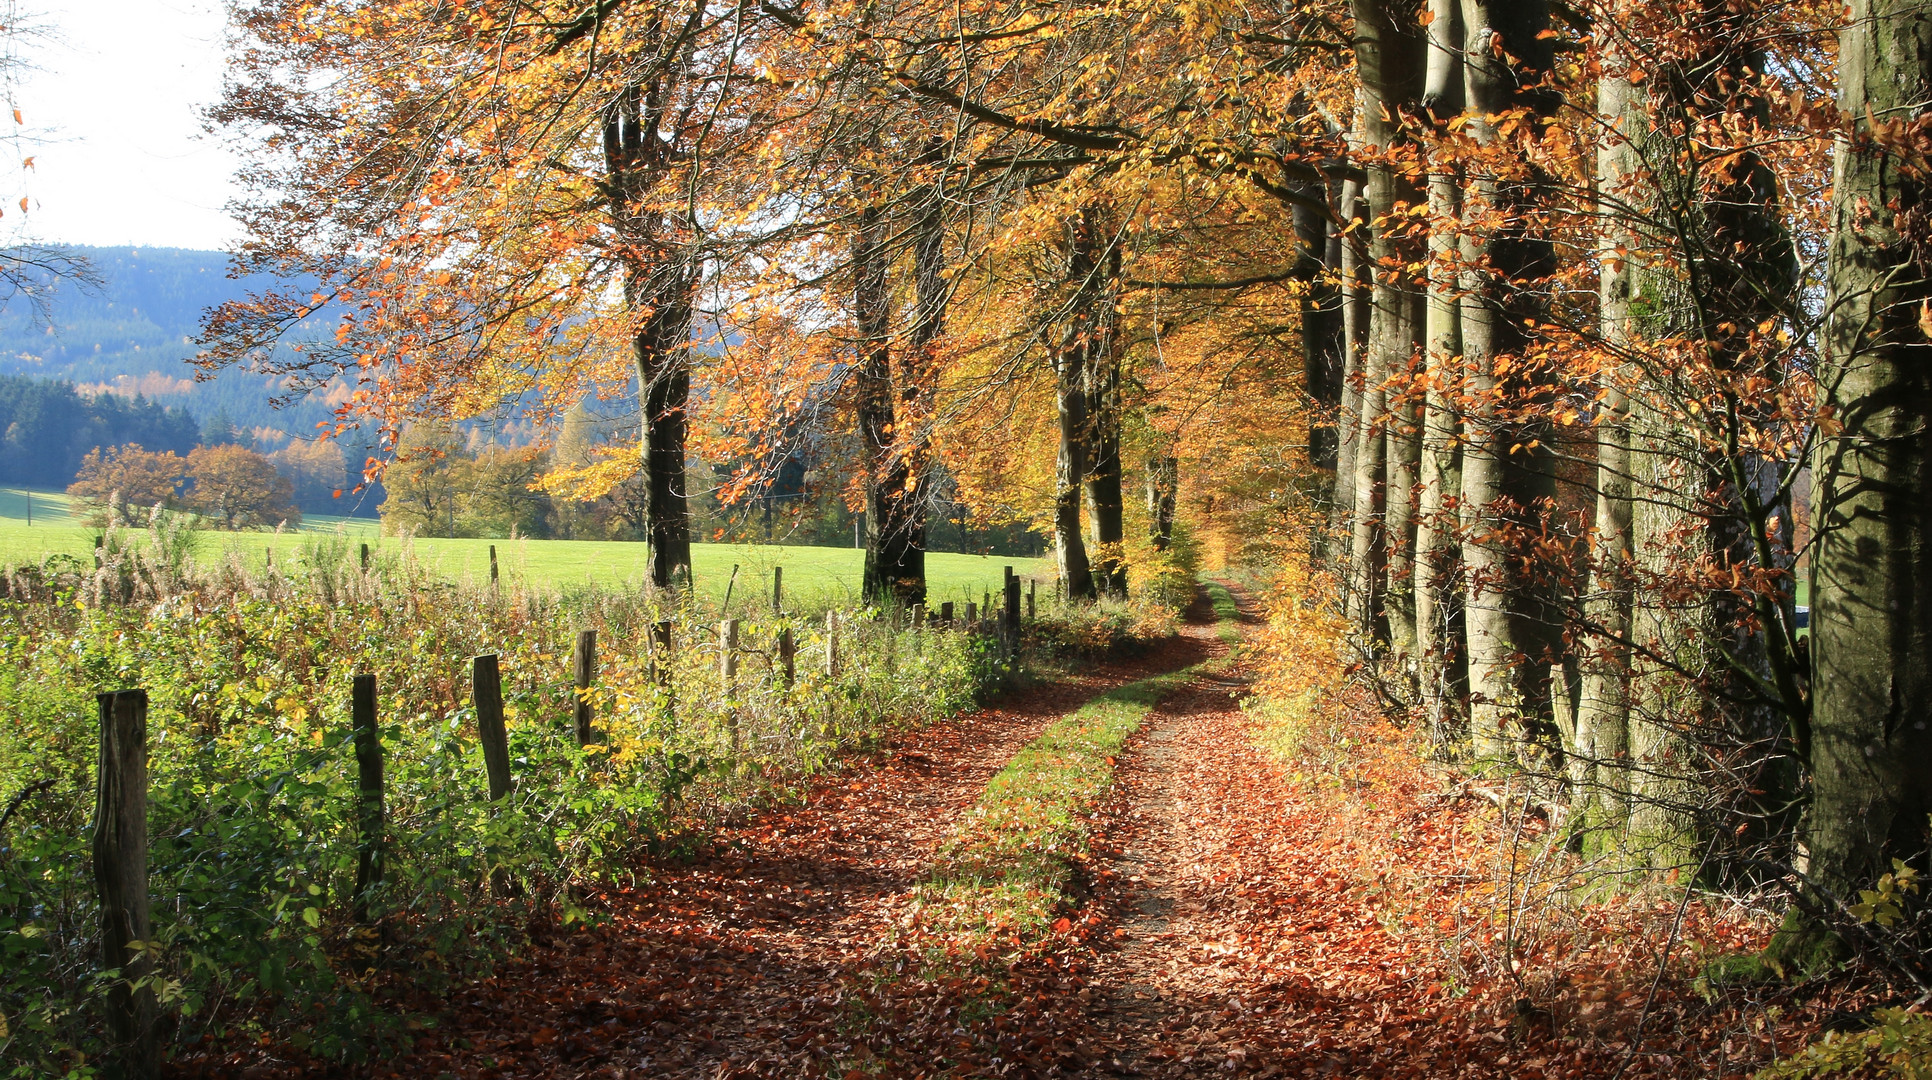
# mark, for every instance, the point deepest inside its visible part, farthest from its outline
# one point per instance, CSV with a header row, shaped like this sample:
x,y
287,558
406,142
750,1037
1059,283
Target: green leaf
x,y
311,916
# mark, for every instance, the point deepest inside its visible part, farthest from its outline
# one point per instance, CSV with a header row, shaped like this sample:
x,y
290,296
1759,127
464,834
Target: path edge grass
x,y
1012,873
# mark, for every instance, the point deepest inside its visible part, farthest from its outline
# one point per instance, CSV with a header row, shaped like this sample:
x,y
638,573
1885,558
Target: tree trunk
x,y
1352,257
1321,339
662,349
1103,424
1438,601
1390,54
1506,466
1871,581
894,555
1600,747
1070,371
1163,486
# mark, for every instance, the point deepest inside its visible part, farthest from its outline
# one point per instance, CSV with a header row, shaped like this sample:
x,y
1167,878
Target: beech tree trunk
x,y
1352,256
1600,746
1871,577
1103,424
662,349
1438,599
1163,486
894,555
1322,342
1389,58
1506,467
1070,372
660,278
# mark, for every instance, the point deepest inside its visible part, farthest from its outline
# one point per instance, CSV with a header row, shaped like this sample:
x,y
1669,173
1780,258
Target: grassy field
x,y
825,572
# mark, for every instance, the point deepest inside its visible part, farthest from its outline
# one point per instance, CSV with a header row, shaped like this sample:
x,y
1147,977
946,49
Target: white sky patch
x,y
112,122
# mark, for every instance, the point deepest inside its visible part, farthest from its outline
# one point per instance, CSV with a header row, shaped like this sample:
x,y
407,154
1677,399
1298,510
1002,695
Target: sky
x,y
110,107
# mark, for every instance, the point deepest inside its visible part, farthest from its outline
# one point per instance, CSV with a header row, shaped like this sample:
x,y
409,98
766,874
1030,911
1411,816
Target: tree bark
x,y
1438,600
895,535
1163,485
660,278
662,349
1390,54
1103,424
1600,748
1070,372
1506,466
1322,342
1352,257
1871,583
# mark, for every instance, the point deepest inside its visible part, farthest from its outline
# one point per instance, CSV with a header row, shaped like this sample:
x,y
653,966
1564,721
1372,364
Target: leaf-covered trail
x,y
1234,920
742,961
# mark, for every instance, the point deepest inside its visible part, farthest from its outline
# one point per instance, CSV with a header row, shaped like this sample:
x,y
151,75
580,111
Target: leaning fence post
x,y
728,654
831,644
583,668
121,875
369,810
486,693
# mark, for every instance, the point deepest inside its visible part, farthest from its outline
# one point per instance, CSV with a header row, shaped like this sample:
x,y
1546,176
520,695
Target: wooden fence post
x,y
369,809
486,693
583,665
831,644
1032,586
778,590
365,558
972,615
788,656
728,654
725,608
121,875
918,616
1011,630
946,614
492,567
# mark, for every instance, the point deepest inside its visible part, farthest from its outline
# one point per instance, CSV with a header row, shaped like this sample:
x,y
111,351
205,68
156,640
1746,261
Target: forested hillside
x,y
47,427
136,334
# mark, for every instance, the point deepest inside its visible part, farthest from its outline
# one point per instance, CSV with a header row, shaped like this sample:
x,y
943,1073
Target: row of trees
x,y
229,486
1544,320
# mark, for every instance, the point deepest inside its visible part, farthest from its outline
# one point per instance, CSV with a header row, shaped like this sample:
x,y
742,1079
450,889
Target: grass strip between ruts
x,y
1001,883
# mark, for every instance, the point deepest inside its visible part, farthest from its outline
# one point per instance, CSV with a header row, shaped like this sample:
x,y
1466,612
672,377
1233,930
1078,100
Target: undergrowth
x,y
252,779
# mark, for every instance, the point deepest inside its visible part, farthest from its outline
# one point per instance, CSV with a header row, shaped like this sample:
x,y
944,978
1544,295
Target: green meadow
x,y
810,572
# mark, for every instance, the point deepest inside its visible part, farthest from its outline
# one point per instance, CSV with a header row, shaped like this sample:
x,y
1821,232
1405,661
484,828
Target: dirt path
x,y
1149,984
743,962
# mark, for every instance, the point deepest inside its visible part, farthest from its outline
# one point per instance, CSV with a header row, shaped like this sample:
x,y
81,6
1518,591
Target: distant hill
x,y
137,333
133,338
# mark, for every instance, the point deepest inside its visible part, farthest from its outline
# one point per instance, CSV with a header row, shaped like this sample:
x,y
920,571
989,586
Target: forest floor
x,y
1243,911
